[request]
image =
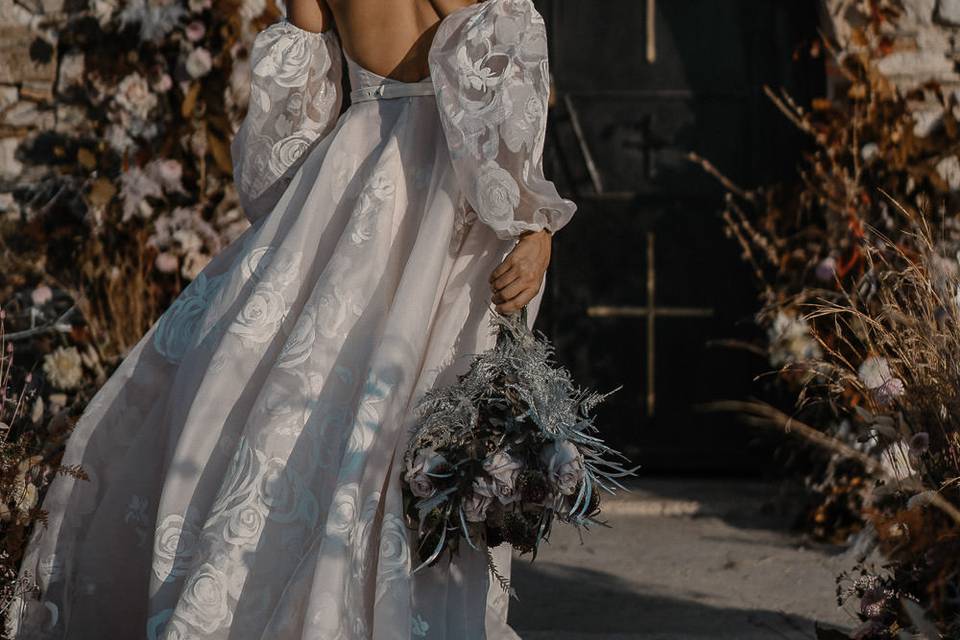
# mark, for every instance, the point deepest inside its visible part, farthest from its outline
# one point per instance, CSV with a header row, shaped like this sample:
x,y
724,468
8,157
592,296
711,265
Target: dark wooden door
x,y
643,283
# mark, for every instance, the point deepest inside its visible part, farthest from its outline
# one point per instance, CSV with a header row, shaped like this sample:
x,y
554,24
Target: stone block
x,y
12,13
28,115
8,97
948,11
10,167
26,55
71,72
36,91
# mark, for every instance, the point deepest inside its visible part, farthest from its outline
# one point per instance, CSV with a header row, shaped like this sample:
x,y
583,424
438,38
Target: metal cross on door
x,y
651,312
643,278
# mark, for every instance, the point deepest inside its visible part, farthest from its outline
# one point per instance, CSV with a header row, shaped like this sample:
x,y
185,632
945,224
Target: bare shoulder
x,y
446,7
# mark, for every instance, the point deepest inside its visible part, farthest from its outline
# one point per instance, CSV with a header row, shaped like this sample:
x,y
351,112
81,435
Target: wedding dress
x,y
243,460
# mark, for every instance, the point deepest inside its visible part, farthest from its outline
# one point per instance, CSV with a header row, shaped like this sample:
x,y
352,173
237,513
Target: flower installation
x,y
858,263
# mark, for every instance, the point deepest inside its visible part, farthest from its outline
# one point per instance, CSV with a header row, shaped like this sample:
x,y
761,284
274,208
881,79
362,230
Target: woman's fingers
x,y
510,291
514,298
507,278
502,268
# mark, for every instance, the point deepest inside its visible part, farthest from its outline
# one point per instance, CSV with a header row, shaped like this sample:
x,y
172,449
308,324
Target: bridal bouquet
x,y
505,451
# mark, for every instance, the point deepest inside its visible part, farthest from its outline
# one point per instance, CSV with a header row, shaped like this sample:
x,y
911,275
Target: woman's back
x,y
389,38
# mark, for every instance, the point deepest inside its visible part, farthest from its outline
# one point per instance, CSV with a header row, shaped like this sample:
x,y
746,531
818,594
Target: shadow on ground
x,y
573,602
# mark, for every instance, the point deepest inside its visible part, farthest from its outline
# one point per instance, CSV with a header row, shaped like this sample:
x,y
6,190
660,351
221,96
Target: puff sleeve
x,y
294,100
489,67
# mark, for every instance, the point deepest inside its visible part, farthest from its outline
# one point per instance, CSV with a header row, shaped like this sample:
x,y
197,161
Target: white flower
x,y
503,469
475,505
498,194
118,139
260,316
875,374
565,468
244,526
156,19
343,512
64,367
134,96
204,600
41,295
199,63
167,173
790,340
418,472
174,547
135,187
166,262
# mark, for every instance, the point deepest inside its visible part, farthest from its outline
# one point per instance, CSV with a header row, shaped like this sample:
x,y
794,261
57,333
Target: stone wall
x,y
920,45
30,72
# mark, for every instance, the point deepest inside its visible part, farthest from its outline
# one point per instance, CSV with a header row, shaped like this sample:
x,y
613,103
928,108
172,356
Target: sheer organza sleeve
x,y
294,100
489,68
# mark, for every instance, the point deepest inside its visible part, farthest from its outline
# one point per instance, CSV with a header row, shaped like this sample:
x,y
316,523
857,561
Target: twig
x,y
55,325
765,415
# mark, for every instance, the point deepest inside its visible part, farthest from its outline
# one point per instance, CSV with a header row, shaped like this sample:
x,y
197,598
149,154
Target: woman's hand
x,y
518,278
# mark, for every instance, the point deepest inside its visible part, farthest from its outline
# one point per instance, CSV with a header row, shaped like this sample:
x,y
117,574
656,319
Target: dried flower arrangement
x,y
859,274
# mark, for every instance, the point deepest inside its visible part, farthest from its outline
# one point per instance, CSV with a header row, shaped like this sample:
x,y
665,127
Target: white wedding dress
x,y
244,458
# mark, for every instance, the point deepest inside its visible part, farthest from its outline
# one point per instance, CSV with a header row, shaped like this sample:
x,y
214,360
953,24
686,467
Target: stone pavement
x,y
685,560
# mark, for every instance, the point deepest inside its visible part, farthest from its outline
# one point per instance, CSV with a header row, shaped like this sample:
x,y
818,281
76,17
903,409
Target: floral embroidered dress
x,y
244,459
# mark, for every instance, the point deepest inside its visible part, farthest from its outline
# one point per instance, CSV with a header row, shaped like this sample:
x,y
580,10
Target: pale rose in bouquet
x,y
499,455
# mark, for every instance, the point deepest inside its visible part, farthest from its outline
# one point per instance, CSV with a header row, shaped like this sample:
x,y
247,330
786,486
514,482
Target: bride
x,y
243,460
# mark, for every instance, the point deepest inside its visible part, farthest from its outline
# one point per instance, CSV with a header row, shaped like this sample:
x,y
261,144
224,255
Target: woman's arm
x,y
311,15
517,279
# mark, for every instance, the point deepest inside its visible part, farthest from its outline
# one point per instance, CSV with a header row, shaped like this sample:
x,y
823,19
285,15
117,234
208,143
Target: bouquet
x,y
505,451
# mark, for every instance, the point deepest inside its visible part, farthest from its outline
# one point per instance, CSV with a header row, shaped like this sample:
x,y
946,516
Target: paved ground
x,y
685,560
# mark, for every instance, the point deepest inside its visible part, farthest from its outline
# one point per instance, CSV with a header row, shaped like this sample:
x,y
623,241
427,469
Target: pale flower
x,y
476,504
41,295
875,374
790,340
167,173
826,269
166,262
503,469
164,83
565,467
64,367
156,19
195,31
135,187
199,63
419,472
134,96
